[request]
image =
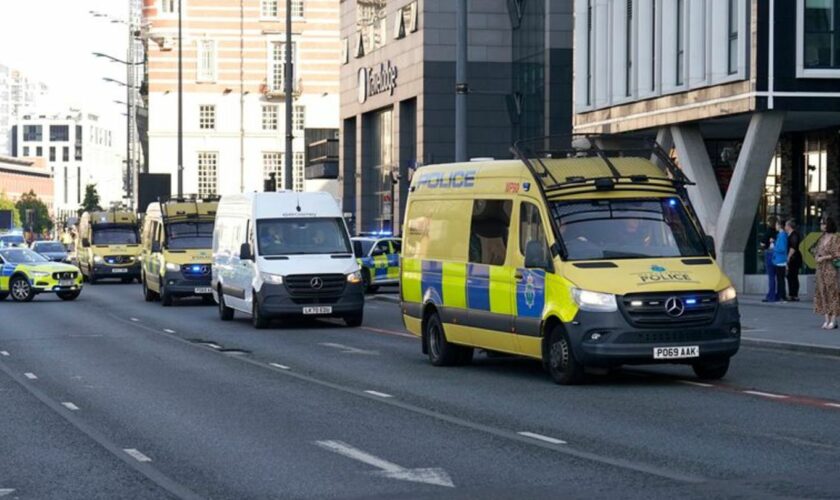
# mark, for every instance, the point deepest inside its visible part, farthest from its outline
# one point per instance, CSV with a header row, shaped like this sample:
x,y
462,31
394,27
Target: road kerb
x,y
790,346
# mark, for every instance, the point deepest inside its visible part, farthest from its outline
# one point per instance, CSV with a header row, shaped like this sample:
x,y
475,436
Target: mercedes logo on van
x,y
675,307
316,283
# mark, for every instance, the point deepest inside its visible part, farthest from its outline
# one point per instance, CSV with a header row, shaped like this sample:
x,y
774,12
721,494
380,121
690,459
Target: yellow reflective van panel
x,y
455,285
410,281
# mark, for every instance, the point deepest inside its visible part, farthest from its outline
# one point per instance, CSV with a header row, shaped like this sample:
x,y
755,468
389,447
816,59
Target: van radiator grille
x,y
306,285
650,309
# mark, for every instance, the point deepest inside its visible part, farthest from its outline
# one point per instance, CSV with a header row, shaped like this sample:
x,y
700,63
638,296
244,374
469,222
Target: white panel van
x,y
284,254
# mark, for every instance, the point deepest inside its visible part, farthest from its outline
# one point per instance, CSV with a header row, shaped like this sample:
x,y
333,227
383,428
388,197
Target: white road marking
x,y
380,394
6,491
346,349
435,475
134,319
833,405
213,346
766,394
30,376
167,330
70,406
696,384
278,365
137,455
4,353
547,439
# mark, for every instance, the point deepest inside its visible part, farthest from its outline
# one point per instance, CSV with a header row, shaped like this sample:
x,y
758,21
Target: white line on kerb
x,y
167,330
380,394
696,384
766,394
547,439
833,405
30,376
134,319
137,455
70,406
4,353
278,365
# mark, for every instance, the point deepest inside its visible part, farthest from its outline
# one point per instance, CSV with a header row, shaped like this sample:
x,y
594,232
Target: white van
x,y
284,254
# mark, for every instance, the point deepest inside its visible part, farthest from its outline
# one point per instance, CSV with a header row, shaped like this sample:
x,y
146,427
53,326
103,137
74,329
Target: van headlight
x,y
727,295
272,279
594,301
97,259
173,267
354,278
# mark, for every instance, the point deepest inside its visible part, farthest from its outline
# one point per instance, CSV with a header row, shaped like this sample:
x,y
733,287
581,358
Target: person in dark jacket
x,y
794,261
769,268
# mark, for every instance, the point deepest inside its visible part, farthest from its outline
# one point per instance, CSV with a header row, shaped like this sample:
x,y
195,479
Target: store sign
x,y
377,80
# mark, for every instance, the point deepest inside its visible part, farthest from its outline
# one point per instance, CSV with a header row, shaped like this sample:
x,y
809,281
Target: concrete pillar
x,y
738,210
694,161
666,141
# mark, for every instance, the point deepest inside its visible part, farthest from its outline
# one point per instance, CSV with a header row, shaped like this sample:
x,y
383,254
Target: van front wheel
x,y
257,317
225,312
563,367
711,370
441,351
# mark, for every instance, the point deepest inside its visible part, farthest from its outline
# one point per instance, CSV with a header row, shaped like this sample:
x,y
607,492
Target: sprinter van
x,y
109,246
587,255
285,254
177,241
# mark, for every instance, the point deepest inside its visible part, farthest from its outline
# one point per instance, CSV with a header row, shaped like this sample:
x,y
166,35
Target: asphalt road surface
x,y
112,397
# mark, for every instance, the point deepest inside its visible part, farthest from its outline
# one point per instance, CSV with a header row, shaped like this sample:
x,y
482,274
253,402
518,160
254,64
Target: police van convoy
x,y
25,274
176,255
378,255
110,246
584,256
284,254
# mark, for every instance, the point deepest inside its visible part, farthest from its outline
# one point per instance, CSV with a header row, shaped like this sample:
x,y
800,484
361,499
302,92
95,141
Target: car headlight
x,y
173,267
727,295
40,274
354,278
594,301
97,259
272,279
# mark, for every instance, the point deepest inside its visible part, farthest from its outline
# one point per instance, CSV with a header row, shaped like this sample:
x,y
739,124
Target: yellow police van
x,y
177,249
378,255
582,255
109,246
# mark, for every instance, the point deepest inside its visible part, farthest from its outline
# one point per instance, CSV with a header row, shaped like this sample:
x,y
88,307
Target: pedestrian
x,y
780,256
794,261
827,292
769,268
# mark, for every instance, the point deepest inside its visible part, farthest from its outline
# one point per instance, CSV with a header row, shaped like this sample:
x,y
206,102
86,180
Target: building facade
x,y
19,176
398,90
79,150
233,89
746,94
18,93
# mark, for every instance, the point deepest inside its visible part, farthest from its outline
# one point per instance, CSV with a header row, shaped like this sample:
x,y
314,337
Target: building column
x,y
694,160
361,150
738,210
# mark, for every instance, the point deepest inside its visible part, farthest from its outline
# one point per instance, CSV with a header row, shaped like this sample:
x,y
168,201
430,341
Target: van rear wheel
x,y
563,367
441,351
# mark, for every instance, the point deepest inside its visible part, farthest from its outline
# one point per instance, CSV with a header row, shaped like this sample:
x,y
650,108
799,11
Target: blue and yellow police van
x,y
582,253
378,255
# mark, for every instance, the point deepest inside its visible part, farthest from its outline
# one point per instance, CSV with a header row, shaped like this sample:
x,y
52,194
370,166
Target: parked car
x,y
12,241
52,250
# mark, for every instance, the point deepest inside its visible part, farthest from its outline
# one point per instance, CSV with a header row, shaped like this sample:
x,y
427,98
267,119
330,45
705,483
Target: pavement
x,y
786,325
112,397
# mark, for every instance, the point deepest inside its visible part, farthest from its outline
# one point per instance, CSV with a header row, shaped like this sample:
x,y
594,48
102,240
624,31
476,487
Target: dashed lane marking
x,y
6,491
390,332
346,349
833,405
766,394
135,454
547,439
278,365
167,330
30,376
696,384
4,353
134,319
70,406
379,394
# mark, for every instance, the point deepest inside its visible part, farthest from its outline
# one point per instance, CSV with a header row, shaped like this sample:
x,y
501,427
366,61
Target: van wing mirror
x,y
536,255
710,245
155,247
245,252
85,242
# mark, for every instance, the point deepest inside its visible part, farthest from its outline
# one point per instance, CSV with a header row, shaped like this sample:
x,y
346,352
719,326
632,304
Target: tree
x,y
91,201
7,204
41,221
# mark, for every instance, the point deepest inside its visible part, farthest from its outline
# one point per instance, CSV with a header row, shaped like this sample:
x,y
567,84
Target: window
x,y
207,117
299,118
26,151
169,6
78,184
65,182
297,8
52,155
298,172
733,36
65,153
59,133
32,133
277,61
39,151
680,41
628,49
269,116
207,173
273,163
206,71
821,34
381,248
78,155
489,231
530,228
268,8
816,159
653,46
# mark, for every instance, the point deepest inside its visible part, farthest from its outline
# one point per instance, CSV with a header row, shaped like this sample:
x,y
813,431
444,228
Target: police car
x,y
379,257
24,274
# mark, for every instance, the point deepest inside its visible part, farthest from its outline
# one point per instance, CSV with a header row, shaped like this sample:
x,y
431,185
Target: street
x,y
114,397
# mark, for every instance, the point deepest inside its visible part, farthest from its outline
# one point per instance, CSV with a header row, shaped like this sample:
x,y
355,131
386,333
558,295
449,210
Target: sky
x,y
52,41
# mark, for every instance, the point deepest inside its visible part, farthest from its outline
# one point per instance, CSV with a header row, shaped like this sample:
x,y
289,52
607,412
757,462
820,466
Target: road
x,y
113,397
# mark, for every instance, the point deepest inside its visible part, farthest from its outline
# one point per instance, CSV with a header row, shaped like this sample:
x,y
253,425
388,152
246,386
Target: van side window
x,y
381,248
530,226
489,229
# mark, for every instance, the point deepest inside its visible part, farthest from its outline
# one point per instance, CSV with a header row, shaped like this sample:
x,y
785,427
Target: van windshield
x,y
114,236
189,235
302,236
627,229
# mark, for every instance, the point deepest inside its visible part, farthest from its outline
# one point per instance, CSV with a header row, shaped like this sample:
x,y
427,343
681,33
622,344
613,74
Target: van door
x,y
490,281
153,263
533,261
238,288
